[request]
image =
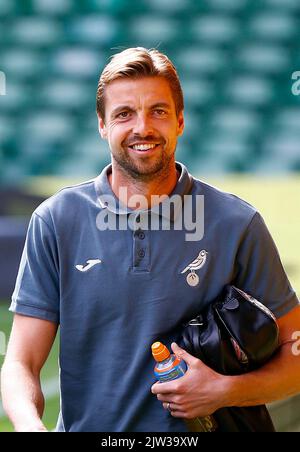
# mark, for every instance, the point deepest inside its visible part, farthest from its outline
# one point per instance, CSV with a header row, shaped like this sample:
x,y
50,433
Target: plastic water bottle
x,y
168,367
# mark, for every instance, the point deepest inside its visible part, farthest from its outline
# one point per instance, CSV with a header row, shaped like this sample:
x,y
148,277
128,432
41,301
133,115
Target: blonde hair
x,y
137,62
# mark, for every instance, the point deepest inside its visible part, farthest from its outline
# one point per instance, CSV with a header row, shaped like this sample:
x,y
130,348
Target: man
x,y
115,290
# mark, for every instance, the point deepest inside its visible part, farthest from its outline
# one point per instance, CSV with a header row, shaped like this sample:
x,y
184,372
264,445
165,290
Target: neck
x,y
139,193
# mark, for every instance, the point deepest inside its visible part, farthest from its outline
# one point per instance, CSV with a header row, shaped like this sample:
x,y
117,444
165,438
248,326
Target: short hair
x,y
137,62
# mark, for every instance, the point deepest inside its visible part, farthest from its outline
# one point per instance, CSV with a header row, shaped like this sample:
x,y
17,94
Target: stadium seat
x,y
201,60
153,30
288,119
284,149
36,31
58,7
25,62
284,5
197,92
225,146
263,58
90,145
65,94
228,5
77,62
273,27
16,98
214,30
249,90
284,145
93,29
209,165
43,125
235,122
90,154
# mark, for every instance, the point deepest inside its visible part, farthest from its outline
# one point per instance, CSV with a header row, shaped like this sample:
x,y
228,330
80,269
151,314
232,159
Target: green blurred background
x,y
235,59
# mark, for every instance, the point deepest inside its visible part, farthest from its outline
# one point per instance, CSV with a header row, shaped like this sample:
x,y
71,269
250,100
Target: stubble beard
x,y
146,170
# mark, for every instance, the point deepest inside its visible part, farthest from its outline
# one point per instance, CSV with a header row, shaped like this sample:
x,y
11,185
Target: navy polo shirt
x,y
115,292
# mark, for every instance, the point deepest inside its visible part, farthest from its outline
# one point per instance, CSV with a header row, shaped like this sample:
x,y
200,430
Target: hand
x,y
200,392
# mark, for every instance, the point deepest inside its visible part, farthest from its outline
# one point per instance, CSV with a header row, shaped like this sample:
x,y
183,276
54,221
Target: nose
x,y
142,126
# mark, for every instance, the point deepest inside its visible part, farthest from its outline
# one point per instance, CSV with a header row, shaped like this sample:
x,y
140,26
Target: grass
x,y
50,372
278,200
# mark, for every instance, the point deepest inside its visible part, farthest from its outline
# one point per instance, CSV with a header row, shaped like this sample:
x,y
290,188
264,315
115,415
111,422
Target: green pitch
x,y
49,375
278,200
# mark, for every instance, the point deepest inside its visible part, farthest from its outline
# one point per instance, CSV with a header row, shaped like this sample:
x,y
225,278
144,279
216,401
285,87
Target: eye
x,y
160,112
123,115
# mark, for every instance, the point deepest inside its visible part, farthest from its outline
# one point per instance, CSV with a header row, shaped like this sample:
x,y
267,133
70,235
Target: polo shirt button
x,y
141,235
141,253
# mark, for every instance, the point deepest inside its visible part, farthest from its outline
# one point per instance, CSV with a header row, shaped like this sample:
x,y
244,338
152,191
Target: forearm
x,y
22,397
278,379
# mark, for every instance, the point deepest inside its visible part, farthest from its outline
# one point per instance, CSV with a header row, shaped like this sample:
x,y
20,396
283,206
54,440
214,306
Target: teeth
x,y
143,147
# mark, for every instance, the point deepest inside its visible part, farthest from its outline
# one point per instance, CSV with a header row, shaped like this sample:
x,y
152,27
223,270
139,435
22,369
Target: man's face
x,y
141,125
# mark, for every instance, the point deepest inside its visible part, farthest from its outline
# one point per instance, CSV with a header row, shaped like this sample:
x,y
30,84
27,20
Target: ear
x,y
180,123
102,128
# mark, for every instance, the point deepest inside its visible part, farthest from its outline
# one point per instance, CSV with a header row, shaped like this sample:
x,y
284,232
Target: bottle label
x,y
168,376
172,371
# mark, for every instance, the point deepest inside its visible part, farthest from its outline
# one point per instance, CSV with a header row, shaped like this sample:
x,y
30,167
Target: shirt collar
x,y
183,187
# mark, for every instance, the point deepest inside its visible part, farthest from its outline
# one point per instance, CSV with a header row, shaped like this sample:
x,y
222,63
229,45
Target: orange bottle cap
x,y
159,351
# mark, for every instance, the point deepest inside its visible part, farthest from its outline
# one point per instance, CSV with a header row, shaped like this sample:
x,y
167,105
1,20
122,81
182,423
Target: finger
x,y
164,388
178,413
154,388
165,397
171,406
167,406
182,354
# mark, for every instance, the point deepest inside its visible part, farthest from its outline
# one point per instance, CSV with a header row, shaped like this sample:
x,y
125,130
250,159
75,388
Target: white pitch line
x,y
50,390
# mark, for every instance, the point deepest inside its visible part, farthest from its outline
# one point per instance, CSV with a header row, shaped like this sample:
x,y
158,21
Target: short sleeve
x,y
260,271
36,292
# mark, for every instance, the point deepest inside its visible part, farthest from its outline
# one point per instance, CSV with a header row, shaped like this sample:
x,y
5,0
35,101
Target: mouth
x,y
144,148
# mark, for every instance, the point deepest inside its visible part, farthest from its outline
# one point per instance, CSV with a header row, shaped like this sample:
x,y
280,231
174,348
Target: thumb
x,y
182,354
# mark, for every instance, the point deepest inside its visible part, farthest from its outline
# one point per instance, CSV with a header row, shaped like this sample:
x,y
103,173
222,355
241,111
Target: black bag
x,y
233,335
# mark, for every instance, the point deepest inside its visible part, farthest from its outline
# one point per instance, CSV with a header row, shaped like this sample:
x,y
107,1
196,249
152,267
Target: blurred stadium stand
x,y
235,59
15,209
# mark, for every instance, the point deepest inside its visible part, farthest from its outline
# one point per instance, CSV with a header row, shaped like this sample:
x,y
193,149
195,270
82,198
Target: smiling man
x,y
141,117
141,126
115,291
